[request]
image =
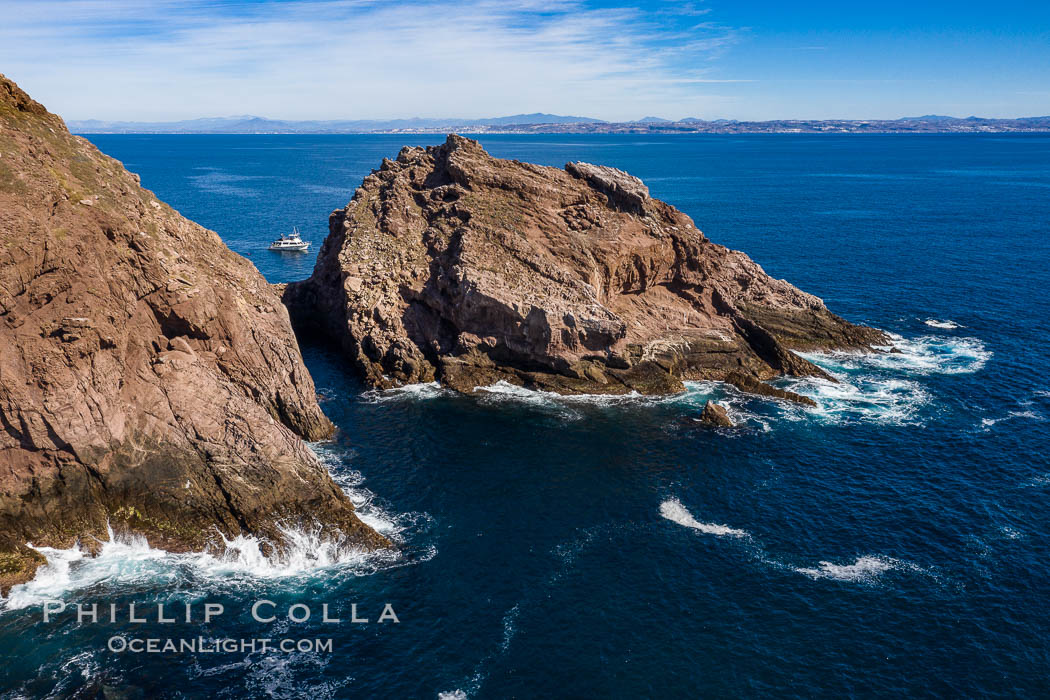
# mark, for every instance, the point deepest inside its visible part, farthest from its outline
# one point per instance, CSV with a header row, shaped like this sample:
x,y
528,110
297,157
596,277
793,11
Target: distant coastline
x,y
555,124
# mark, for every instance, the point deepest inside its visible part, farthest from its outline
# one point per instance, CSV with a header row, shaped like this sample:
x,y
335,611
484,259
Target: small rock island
x,y
149,376
451,265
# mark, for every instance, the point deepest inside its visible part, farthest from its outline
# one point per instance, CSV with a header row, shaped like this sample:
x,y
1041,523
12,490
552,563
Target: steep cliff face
x,y
149,377
450,264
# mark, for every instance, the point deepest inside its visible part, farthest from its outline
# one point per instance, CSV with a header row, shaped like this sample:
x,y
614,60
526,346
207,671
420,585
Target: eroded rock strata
x,y
149,377
452,265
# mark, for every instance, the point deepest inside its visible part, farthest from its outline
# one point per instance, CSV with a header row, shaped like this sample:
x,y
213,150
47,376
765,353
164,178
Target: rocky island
x,y
149,376
150,379
451,265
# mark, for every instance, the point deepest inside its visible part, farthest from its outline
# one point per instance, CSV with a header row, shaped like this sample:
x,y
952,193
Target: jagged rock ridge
x,y
450,264
149,376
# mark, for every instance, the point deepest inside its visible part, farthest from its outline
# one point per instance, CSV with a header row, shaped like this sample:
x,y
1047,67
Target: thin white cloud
x,y
133,59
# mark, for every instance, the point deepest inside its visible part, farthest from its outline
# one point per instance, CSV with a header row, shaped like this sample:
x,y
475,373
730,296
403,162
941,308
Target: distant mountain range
x,y
554,123
248,124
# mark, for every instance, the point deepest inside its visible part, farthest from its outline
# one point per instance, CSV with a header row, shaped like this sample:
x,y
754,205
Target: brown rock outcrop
x,y
149,376
450,264
716,416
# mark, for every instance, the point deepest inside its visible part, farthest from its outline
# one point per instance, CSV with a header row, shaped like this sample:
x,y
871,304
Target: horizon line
x,y
564,120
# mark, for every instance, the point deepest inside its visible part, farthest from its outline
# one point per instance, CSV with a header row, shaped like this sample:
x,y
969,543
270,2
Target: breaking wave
x,y
871,398
673,510
879,387
864,569
945,325
127,560
367,505
506,389
925,355
429,390
884,387
562,405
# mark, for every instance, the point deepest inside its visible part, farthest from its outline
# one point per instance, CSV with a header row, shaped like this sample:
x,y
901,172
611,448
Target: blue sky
x,y
617,60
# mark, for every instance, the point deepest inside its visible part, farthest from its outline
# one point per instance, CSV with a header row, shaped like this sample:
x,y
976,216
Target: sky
x,y
157,60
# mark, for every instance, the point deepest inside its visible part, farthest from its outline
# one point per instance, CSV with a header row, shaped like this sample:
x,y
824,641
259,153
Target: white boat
x,y
290,242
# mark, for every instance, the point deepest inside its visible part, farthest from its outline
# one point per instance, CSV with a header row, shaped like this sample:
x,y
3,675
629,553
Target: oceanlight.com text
x,y
199,645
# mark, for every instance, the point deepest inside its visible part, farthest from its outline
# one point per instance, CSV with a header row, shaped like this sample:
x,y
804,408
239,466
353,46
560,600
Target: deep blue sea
x,y
892,541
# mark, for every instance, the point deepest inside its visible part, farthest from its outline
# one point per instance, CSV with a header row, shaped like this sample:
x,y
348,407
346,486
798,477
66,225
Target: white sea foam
x,y
883,387
879,387
429,390
946,324
128,560
504,389
366,504
503,392
865,397
1041,480
987,423
739,406
1011,533
566,406
865,569
928,354
673,510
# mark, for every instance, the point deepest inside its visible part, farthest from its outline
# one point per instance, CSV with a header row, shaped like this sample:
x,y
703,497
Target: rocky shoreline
x,y
451,265
149,377
152,383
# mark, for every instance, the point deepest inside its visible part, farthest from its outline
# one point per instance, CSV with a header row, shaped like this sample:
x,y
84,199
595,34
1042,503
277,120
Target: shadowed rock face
x,y
148,375
450,264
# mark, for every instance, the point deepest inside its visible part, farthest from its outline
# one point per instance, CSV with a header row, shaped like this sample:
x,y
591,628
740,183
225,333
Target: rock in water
x,y
149,376
715,416
450,264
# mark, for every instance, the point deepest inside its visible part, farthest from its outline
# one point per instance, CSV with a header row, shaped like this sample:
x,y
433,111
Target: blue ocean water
x,y
893,540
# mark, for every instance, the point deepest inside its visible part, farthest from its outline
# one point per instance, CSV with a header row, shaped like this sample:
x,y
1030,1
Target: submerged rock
x,y
150,377
715,416
452,265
